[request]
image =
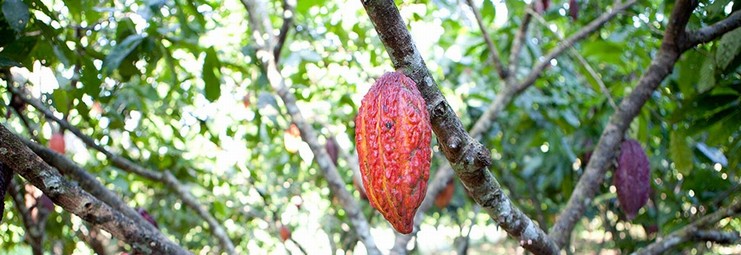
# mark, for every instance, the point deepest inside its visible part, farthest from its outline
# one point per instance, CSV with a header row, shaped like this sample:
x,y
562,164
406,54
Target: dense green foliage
x,y
163,82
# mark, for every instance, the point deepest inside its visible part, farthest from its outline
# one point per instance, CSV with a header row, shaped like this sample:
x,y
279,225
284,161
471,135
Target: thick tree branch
x,y
163,176
613,134
256,14
468,157
15,155
714,31
493,51
692,231
86,181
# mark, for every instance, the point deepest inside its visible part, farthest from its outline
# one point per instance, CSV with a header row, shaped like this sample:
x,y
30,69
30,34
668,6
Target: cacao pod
x,y
573,9
246,101
393,141
147,217
285,233
443,198
632,178
56,143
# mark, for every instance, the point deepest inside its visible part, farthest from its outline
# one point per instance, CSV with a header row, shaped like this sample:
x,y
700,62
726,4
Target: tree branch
x,y
583,62
493,51
692,232
256,14
710,33
163,176
716,236
468,157
512,89
86,181
289,7
15,155
613,133
569,42
519,40
33,234
502,99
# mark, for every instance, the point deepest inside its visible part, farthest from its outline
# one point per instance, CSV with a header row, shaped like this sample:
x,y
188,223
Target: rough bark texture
x,y
85,180
163,176
262,35
468,157
692,231
15,155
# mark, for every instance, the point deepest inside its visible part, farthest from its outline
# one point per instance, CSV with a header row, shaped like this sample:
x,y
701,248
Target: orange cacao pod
x,y
56,143
393,140
443,198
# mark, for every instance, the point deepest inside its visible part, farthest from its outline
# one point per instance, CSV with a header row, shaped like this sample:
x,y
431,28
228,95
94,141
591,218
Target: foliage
x,y
162,83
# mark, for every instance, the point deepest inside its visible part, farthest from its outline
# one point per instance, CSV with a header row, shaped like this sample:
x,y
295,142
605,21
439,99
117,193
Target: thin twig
x,y
289,8
257,16
690,231
710,33
34,235
583,62
517,42
569,42
716,236
493,51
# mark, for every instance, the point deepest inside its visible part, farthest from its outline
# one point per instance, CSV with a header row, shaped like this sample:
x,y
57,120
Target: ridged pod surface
x,y
393,135
632,178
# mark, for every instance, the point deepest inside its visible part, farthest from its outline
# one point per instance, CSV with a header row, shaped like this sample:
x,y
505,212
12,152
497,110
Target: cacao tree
x,y
325,127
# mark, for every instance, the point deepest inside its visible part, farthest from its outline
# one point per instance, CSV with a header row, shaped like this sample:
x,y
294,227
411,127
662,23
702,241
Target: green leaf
x,y
680,152
728,49
211,75
707,75
89,78
687,70
6,62
16,14
120,52
61,100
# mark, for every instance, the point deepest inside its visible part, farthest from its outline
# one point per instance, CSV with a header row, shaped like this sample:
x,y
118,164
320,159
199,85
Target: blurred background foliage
x,y
175,85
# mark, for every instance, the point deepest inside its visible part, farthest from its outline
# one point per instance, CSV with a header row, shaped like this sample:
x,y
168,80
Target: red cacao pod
x,y
573,9
393,140
285,233
632,178
56,143
147,216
